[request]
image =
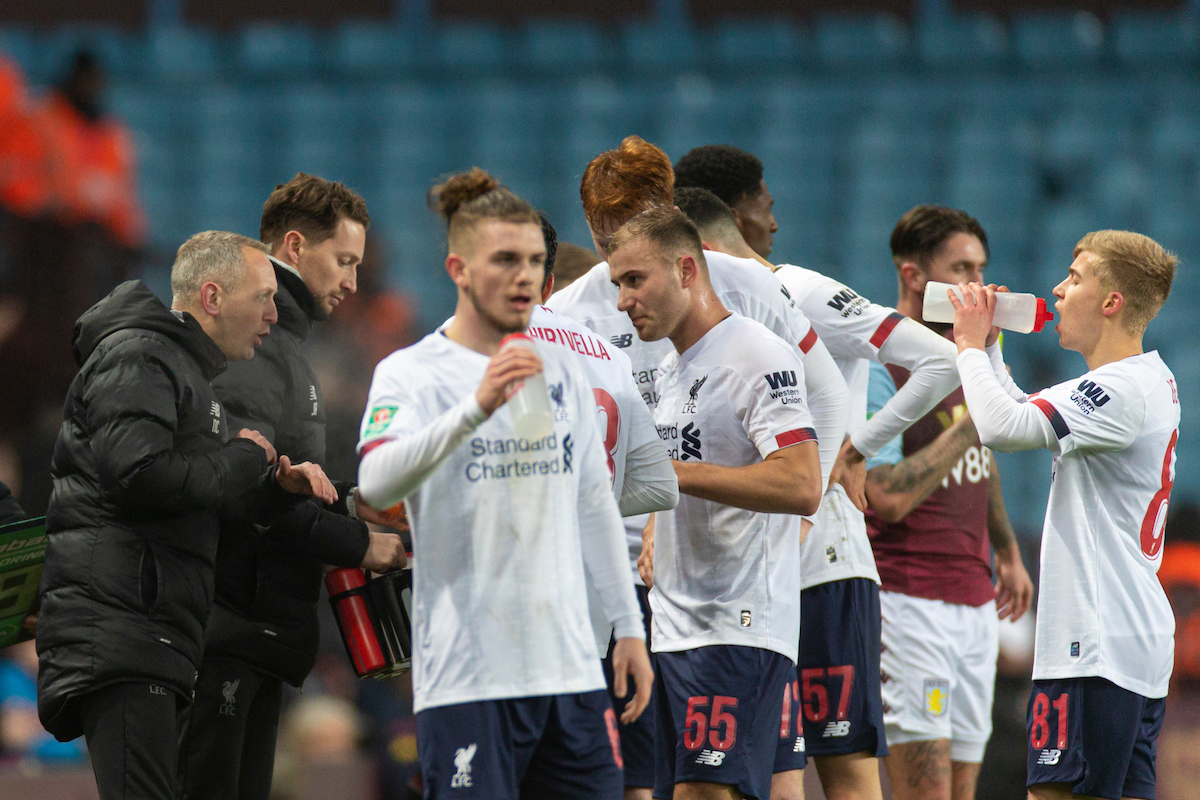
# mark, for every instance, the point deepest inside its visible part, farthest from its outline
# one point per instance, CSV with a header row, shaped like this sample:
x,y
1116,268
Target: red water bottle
x,y
354,619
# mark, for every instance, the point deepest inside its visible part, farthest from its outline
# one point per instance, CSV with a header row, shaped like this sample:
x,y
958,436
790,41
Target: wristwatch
x,y
350,510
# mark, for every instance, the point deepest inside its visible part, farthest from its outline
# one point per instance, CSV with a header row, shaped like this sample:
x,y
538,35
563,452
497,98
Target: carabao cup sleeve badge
x,y
379,419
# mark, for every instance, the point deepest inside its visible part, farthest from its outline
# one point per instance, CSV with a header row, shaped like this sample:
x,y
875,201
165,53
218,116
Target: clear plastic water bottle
x,y
528,399
1021,313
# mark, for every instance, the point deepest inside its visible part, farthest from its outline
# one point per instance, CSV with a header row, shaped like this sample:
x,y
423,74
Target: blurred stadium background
x,y
1043,119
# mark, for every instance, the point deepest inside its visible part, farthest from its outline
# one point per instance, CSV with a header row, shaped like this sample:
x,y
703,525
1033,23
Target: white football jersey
x,y
503,531
724,575
1101,610
856,332
744,286
624,421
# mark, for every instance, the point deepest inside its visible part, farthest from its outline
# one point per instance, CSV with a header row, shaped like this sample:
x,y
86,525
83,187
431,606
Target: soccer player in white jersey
x,y
1105,632
840,635
617,185
643,478
509,693
726,594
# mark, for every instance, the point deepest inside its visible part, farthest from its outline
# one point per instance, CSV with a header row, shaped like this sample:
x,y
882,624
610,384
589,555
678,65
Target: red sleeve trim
x,y
1056,421
795,437
808,341
369,446
885,329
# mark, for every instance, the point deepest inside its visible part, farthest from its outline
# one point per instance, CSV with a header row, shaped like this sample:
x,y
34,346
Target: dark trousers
x,y
227,748
132,735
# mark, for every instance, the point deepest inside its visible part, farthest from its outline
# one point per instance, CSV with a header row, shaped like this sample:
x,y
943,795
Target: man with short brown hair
x,y
263,630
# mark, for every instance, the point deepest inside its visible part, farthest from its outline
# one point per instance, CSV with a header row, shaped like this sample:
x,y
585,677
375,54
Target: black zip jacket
x,y
269,581
141,468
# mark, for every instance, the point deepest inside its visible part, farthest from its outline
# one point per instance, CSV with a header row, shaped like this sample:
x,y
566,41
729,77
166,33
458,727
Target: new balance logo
x,y
712,758
691,442
312,396
1094,392
462,765
1049,757
567,445
621,340
215,409
779,379
799,746
836,729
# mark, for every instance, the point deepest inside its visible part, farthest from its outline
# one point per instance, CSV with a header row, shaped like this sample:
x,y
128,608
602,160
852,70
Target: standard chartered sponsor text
x,y
525,462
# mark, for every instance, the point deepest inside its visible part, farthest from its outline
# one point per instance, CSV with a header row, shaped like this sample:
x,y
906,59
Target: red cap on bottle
x,y
514,336
1042,316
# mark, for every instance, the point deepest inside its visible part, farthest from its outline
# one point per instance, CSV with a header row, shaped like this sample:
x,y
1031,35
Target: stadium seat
x,y
1055,39
19,45
473,48
362,50
966,40
1149,38
181,55
769,44
573,47
660,46
119,53
860,40
276,50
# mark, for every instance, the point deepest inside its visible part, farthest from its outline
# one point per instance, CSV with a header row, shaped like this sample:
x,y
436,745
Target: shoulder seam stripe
x,y
1056,421
885,329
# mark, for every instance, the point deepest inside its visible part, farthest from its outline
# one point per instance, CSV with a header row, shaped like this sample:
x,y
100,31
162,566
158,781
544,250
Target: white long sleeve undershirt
x,y
1004,423
391,471
929,359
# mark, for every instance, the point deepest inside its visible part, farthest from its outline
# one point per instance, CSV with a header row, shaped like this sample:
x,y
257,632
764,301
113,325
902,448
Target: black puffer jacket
x,y
268,587
141,467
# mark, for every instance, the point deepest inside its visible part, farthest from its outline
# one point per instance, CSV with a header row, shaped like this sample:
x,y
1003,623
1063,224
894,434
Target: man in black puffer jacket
x,y
142,467
263,629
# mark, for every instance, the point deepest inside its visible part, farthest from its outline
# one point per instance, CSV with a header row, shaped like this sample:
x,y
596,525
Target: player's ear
x,y
1113,303
547,288
688,270
456,267
913,277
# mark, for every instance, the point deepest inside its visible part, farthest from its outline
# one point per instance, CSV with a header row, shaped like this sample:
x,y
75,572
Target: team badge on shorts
x,y
937,696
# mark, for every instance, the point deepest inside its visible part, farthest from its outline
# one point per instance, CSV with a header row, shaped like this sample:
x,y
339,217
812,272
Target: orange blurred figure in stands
x,y
1179,575
24,187
92,170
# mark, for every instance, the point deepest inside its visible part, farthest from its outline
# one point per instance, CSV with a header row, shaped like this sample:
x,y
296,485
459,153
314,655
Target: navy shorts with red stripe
x,y
530,747
718,717
1094,735
841,704
637,738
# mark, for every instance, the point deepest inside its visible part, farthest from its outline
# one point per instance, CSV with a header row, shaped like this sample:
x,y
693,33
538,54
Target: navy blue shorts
x,y
842,711
637,738
531,747
718,717
789,752
1094,735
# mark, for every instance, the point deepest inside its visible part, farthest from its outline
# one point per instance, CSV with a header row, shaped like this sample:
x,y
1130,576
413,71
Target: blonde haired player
x,y
1105,631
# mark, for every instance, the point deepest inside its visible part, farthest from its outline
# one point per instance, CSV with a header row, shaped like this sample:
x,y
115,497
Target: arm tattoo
x,y
926,467
1000,530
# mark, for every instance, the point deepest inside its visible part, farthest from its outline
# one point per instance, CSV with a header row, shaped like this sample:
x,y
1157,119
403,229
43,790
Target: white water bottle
x,y
528,400
1021,313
